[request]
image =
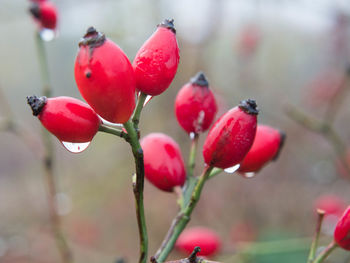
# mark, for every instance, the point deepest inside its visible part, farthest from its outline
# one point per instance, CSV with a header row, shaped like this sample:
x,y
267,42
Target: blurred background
x,y
278,52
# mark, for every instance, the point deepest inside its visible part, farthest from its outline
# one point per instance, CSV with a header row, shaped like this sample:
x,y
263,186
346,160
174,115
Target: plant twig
x,y
182,218
193,258
138,109
191,180
110,130
323,128
314,243
336,102
326,252
48,161
138,184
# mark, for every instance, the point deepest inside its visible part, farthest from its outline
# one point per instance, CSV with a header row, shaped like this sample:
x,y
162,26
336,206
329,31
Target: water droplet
x,y
47,34
192,135
232,169
249,175
76,147
148,98
63,204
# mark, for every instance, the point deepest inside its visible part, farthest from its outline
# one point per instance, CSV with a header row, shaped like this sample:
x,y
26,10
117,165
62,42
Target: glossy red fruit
x,y
69,119
45,13
231,136
105,77
164,165
203,237
156,62
266,147
195,105
342,230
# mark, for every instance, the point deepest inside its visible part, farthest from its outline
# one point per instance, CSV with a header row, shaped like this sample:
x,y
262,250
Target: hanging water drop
x,y
148,98
232,169
47,34
249,175
192,135
76,147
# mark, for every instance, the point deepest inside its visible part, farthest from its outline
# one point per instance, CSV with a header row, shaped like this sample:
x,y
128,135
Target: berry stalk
x,y
191,180
182,218
138,185
138,109
326,252
314,243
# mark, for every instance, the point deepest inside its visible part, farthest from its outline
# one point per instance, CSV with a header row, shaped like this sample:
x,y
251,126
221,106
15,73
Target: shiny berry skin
x,y
164,165
203,237
342,230
105,77
156,62
45,13
69,119
231,136
195,105
266,147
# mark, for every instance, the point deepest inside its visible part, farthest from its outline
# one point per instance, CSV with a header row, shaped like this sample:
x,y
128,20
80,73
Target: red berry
x,y
231,136
205,238
69,119
266,147
342,230
105,77
45,13
195,105
164,165
156,62
330,204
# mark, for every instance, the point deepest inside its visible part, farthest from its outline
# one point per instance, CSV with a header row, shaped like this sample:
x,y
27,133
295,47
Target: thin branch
x,y
138,185
193,258
182,218
48,161
314,243
110,130
323,128
326,252
138,109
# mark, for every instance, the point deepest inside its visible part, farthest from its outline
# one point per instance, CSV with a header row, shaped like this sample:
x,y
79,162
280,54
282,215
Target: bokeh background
x,y
278,52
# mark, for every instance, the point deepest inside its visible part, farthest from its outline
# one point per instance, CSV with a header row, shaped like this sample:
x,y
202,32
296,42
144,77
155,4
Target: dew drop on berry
x,y
47,35
76,147
192,135
249,175
148,98
232,169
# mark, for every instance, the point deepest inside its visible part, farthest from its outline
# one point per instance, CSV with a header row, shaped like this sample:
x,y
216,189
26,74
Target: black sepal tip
x,y
169,24
36,103
249,106
200,80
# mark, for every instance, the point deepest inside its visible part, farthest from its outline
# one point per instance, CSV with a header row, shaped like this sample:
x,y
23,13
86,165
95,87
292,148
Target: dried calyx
x,y
200,80
37,104
34,9
282,141
92,38
169,24
249,106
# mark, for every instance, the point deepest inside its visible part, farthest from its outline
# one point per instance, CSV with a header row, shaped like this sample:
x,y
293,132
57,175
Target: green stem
x,y
44,67
191,180
119,133
215,172
138,184
314,243
326,252
182,218
138,109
